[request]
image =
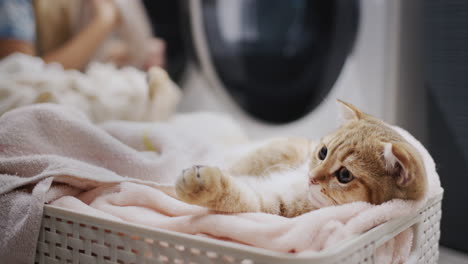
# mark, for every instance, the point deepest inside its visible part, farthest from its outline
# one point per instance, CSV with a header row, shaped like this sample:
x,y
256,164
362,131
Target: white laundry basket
x,y
69,237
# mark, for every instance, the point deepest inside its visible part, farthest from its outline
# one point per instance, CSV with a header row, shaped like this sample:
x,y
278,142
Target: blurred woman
x,y
49,29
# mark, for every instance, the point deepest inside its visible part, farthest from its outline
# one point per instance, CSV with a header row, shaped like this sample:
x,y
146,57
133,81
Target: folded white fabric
x,y
119,179
103,92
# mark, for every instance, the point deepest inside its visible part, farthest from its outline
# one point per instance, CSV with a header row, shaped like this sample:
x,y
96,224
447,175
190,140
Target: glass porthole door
x,y
277,59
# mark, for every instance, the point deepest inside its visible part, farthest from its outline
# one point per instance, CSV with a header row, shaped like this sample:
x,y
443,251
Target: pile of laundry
x,y
125,171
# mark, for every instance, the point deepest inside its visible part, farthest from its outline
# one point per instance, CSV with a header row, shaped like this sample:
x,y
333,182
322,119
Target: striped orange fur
x,y
363,160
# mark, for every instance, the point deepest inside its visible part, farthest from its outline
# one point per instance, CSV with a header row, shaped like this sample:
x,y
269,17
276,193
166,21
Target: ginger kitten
x,y
363,160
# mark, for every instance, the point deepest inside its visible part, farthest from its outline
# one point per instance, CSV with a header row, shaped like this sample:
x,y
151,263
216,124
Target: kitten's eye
x,y
343,175
322,153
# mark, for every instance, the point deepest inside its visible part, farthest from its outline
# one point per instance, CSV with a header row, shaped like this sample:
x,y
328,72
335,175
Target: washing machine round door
x,y
277,59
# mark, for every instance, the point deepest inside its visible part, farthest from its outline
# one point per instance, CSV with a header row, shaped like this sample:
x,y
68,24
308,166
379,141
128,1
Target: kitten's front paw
x,y
200,185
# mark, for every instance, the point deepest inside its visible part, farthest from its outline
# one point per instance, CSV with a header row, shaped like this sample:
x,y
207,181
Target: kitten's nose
x,y
313,181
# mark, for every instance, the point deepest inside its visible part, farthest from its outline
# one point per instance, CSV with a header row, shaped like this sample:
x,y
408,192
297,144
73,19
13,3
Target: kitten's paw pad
x,y
199,184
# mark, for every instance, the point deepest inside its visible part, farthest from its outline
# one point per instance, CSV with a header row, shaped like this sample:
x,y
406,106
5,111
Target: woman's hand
x,y
156,53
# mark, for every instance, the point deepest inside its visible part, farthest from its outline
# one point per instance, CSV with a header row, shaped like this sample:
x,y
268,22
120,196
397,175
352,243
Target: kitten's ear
x,y
349,111
403,162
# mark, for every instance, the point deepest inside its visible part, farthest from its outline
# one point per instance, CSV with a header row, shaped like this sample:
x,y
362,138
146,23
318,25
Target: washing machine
x,y
277,67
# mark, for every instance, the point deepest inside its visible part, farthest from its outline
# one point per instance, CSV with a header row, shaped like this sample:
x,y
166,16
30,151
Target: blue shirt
x,y
17,20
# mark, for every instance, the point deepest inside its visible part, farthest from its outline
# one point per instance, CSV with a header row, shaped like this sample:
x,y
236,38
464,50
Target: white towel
x,y
103,92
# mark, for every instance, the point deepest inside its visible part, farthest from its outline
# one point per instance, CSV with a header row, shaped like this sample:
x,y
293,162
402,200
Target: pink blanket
x,y
107,171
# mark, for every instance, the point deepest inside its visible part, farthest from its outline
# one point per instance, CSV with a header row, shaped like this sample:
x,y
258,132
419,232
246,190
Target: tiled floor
x,y
450,256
